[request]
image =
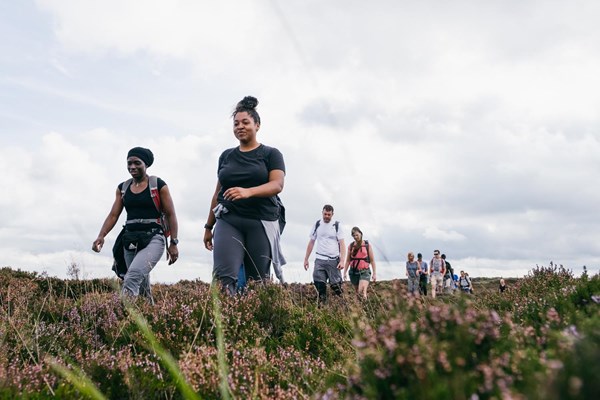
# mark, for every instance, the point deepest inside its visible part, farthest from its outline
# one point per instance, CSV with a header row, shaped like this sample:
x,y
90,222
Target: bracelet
x,y
207,226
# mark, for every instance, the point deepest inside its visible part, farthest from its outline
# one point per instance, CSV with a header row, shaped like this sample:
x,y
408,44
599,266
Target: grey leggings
x,y
139,264
238,240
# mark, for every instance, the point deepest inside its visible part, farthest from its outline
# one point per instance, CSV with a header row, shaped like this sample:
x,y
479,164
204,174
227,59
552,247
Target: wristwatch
x,y
174,241
207,226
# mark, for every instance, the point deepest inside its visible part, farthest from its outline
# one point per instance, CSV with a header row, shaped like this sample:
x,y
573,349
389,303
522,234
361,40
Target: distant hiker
x,y
448,276
329,255
502,288
245,206
424,275
437,269
360,255
464,282
413,272
145,199
470,282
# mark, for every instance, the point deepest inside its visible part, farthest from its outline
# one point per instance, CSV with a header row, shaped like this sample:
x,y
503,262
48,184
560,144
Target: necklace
x,y
137,184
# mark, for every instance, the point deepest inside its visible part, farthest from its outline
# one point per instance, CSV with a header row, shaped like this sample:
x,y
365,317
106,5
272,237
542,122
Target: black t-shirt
x,y
449,270
141,206
249,169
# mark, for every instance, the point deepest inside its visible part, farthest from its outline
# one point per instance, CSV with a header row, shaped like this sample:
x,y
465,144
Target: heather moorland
x,y
72,338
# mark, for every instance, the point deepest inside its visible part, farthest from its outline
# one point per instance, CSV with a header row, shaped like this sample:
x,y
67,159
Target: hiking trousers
x,y
326,270
238,240
139,264
423,284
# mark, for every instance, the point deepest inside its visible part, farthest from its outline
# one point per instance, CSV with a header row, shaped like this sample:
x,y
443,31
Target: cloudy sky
x,y
468,126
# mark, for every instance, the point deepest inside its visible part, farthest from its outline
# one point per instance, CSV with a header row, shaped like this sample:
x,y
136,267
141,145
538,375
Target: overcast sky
x,y
468,126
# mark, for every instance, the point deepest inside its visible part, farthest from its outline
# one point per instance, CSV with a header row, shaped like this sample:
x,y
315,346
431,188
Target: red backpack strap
x,y
154,193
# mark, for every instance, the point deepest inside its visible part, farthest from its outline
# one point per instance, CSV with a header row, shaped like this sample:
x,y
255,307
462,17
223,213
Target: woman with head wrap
x,y
244,210
143,237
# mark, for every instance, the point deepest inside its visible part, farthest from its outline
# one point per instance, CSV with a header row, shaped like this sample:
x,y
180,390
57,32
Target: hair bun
x,y
247,103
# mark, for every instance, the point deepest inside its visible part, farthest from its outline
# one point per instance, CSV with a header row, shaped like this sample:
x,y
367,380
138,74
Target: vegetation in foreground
x,y
76,338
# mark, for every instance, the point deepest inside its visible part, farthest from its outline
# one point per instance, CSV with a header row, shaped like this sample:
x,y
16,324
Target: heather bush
x,y
457,348
537,340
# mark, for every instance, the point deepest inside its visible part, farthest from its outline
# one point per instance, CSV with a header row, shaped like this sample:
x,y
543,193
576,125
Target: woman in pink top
x,y
360,256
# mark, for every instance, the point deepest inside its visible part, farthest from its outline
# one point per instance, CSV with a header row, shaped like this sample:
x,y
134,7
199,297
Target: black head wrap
x,y
143,154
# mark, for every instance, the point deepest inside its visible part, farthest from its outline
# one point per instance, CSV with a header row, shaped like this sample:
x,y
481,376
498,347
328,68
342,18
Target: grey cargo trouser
x,y
139,264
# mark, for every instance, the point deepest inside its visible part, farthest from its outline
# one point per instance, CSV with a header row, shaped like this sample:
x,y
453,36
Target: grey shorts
x,y
359,275
326,270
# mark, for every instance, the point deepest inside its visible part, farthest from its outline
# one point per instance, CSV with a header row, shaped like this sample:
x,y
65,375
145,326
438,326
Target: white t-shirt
x,y
328,246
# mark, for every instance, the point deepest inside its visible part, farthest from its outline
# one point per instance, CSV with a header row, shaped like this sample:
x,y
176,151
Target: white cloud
x,y
470,125
434,233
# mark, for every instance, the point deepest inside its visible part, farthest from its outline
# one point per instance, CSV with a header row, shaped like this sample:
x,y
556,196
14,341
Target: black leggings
x,y
238,241
423,284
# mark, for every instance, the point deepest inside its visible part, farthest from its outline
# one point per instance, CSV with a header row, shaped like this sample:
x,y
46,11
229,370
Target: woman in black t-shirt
x,y
143,238
244,205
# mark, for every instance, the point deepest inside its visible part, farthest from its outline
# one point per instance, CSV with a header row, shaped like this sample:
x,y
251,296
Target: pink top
x,y
360,260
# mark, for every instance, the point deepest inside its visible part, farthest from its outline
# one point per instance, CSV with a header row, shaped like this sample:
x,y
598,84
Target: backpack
x,y
466,280
336,224
119,265
155,194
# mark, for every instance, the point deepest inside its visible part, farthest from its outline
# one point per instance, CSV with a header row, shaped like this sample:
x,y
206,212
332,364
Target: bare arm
x,y
372,258
271,188
342,245
211,220
347,263
309,250
109,222
169,209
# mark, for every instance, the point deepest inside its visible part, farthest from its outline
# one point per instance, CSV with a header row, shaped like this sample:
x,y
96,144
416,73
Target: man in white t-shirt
x,y
329,255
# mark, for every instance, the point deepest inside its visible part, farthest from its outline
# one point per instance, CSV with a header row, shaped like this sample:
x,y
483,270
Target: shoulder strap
x,y
153,183
316,226
124,186
336,224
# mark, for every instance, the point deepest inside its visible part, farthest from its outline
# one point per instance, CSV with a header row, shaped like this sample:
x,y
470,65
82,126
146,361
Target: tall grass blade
x,y
77,379
222,361
166,358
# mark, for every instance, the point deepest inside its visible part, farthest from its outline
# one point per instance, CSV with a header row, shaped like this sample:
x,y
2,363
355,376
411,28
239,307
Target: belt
x,y
143,221
330,257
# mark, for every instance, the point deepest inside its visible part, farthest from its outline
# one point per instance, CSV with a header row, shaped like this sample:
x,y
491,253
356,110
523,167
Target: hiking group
x,y
244,226
439,273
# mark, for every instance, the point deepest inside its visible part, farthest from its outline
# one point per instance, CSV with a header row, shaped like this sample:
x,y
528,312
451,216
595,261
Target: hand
x,y
173,253
345,277
306,265
98,243
374,277
208,237
236,193
340,266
